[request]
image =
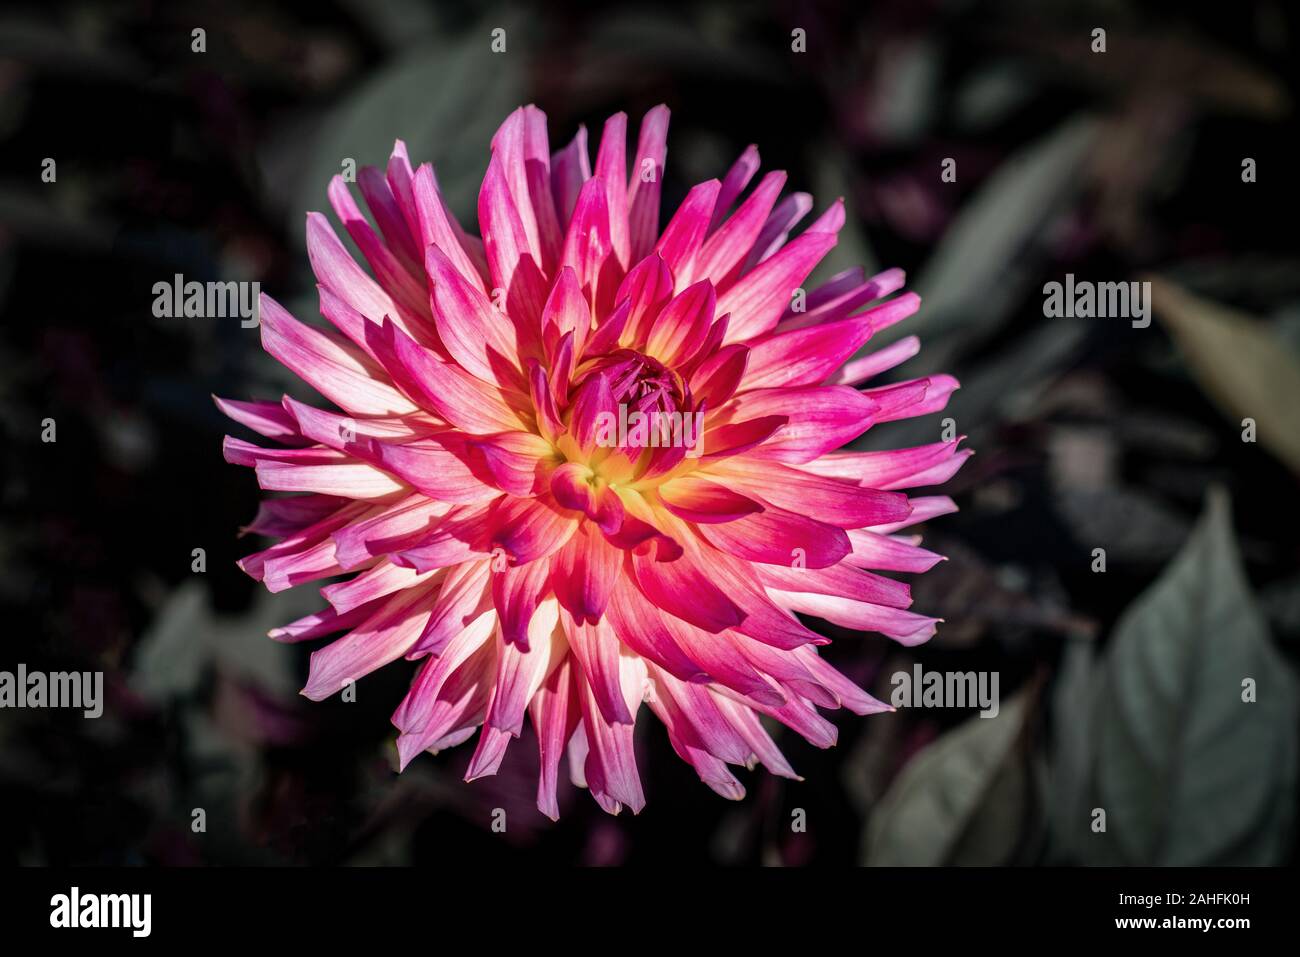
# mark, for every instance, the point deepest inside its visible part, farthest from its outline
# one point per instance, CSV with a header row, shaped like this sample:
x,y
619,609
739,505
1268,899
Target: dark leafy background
x,y
1120,690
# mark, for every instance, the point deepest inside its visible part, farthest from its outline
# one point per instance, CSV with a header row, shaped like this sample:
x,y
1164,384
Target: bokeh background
x,y
1120,689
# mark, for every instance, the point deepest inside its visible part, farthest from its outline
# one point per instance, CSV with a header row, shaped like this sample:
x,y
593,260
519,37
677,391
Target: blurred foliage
x,y
1120,689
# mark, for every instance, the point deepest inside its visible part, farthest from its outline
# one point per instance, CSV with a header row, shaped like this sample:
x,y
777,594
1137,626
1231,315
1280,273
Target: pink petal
x,y
522,669
518,462
583,575
841,581
734,183
513,265
570,168
394,277
647,288
723,253
464,597
336,270
904,401
717,378
361,539
566,310
773,536
478,337
348,480
804,356
646,183
682,323
447,389
596,650
448,688
517,590
873,550
588,249
383,638
821,418
696,499
437,228
684,235
905,627
342,374
385,207
758,299
739,437
891,468
639,625
610,766
529,529
843,295
684,590
378,582
776,230
924,508
611,167
866,367
833,500
592,412
265,418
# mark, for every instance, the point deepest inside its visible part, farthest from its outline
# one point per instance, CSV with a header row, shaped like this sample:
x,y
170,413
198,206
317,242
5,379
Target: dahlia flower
x,y
507,516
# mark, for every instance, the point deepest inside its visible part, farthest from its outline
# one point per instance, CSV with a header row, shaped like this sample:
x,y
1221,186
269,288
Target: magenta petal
x,y
821,418
835,501
479,338
682,323
596,650
342,374
517,590
594,411
583,575
570,168
777,537
447,389
611,167
697,499
684,590
758,299
684,235
382,638
723,253
646,183
517,461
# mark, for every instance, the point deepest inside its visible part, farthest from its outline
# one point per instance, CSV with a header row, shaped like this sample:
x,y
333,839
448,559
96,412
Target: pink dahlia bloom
x,y
584,465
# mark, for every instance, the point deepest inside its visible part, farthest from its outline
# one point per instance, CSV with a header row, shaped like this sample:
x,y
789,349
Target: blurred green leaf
x,y
963,800
1245,368
1007,386
186,639
969,277
1072,698
445,99
1130,523
172,654
1187,772
643,42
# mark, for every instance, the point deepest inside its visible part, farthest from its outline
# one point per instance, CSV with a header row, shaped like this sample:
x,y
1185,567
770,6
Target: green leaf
x,y
445,99
1071,762
1187,772
1246,369
975,273
963,800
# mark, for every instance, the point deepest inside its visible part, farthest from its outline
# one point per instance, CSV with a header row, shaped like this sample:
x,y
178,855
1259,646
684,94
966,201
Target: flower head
x,y
584,465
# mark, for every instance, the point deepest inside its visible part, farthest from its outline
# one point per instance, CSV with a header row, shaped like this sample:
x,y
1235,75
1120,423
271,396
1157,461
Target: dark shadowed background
x,y
1120,690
